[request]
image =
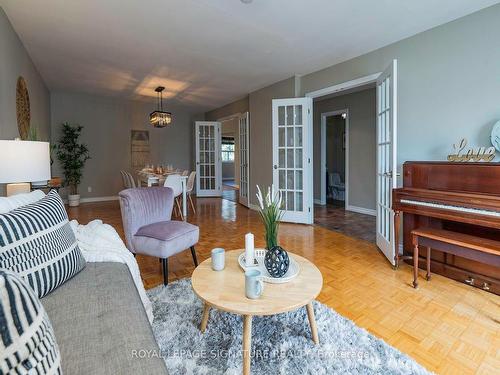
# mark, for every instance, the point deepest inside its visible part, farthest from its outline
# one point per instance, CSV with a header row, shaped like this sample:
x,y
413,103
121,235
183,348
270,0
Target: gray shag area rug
x,y
281,344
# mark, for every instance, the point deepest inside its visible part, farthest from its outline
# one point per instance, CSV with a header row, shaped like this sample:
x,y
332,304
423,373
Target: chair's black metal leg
x,y
165,271
193,253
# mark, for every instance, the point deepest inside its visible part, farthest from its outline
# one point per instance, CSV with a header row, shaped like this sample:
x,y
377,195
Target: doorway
x,y
346,198
334,157
234,164
385,155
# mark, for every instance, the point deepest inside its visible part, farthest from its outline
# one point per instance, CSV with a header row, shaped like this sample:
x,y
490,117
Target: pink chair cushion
x,y
165,238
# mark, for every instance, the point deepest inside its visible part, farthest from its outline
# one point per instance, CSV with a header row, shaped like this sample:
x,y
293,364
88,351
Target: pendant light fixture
x,y
160,118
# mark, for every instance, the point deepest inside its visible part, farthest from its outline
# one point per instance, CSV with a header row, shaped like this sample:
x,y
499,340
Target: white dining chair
x,y
190,188
128,180
174,182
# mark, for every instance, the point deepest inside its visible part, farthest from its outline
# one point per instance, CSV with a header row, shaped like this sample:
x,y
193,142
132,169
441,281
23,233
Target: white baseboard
x,y
96,199
253,207
318,201
361,210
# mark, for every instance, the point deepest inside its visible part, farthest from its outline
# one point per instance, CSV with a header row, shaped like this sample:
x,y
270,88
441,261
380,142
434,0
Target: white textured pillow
x,y
27,341
11,203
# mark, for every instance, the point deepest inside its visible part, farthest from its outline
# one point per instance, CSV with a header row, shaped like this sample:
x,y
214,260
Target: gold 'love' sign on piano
x,y
476,155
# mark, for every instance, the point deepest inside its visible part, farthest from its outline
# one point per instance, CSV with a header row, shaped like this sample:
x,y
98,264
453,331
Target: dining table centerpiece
x,y
276,259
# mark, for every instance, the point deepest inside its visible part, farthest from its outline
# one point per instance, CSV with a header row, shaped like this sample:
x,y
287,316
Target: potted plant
x,y
276,259
72,156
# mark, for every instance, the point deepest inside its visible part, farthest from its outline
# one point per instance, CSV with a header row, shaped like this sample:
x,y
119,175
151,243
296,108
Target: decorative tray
x,y
293,269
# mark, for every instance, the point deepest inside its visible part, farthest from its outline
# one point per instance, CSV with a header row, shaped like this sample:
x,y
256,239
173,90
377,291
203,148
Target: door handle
x,y
389,174
275,166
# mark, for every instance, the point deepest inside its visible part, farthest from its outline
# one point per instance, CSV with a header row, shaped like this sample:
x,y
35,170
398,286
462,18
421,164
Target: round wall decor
x,y
23,108
495,136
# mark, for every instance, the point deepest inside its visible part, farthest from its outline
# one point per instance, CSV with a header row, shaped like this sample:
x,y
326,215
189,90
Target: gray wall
x,y
16,62
449,88
261,142
448,84
238,106
335,152
107,123
362,150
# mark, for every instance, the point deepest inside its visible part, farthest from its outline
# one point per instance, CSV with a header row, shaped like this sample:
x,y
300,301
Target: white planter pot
x,y
73,200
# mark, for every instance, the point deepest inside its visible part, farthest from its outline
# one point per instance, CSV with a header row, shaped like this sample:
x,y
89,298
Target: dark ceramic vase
x,y
277,261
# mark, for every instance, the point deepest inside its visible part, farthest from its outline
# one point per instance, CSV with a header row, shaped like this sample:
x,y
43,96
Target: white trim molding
x,y
344,86
318,201
361,210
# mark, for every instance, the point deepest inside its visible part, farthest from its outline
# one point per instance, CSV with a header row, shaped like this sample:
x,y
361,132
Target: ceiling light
x,y
160,118
246,1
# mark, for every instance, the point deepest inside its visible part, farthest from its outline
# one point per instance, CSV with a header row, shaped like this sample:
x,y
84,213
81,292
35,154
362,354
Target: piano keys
x,y
459,197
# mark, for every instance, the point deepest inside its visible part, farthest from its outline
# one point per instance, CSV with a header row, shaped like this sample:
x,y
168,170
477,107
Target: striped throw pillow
x,y
37,242
27,341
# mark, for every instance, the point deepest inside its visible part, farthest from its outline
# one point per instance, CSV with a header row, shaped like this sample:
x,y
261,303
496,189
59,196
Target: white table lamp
x,y
23,162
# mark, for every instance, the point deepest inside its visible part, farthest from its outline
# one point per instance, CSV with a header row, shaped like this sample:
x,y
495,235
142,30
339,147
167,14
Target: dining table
x,y
146,178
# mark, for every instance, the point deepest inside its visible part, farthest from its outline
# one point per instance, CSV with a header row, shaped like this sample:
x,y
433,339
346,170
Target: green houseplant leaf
x,y
72,155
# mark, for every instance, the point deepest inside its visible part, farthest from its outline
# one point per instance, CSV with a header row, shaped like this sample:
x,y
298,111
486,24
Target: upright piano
x,y
459,197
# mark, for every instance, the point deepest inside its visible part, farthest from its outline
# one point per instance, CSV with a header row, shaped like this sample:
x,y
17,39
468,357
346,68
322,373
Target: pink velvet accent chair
x,y
149,230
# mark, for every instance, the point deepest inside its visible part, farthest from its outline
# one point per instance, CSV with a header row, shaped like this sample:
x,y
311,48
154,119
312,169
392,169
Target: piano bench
x,y
475,248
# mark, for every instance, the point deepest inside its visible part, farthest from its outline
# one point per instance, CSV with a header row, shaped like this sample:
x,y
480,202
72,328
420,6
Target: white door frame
x,y
347,85
236,116
323,168
217,192
305,215
245,201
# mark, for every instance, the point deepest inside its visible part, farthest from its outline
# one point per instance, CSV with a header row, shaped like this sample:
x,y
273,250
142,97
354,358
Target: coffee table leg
x,y
247,343
204,318
312,322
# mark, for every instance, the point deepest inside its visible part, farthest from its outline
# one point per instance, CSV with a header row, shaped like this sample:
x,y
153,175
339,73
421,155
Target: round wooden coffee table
x,y
225,290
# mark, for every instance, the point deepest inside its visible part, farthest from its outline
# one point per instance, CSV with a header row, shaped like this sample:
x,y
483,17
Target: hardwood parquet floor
x,y
448,327
352,224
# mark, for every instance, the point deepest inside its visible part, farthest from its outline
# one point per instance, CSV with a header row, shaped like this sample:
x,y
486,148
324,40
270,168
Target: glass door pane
x,y
291,162
208,158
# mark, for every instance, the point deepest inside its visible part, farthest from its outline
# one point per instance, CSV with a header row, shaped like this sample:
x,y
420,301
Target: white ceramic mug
x,y
218,259
254,286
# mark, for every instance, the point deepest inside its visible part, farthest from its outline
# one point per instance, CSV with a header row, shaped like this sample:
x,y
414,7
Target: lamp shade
x,y
24,161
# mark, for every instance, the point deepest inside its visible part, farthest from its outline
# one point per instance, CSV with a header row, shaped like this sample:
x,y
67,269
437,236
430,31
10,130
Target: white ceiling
x,y
209,52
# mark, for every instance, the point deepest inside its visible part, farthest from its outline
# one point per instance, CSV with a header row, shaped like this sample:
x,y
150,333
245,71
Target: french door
x,y
386,159
208,159
292,157
244,134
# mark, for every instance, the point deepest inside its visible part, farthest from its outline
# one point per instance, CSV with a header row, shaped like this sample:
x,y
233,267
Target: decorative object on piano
x,y
495,136
276,259
474,155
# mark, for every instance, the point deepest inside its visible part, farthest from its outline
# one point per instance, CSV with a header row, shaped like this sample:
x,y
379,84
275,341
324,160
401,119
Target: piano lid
x,y
480,178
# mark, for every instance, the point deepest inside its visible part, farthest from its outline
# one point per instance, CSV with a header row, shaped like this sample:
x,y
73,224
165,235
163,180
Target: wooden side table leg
x,y
415,262
247,343
312,322
428,264
204,318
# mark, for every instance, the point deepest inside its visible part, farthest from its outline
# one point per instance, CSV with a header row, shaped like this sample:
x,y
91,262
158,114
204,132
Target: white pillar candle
x,y
249,250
